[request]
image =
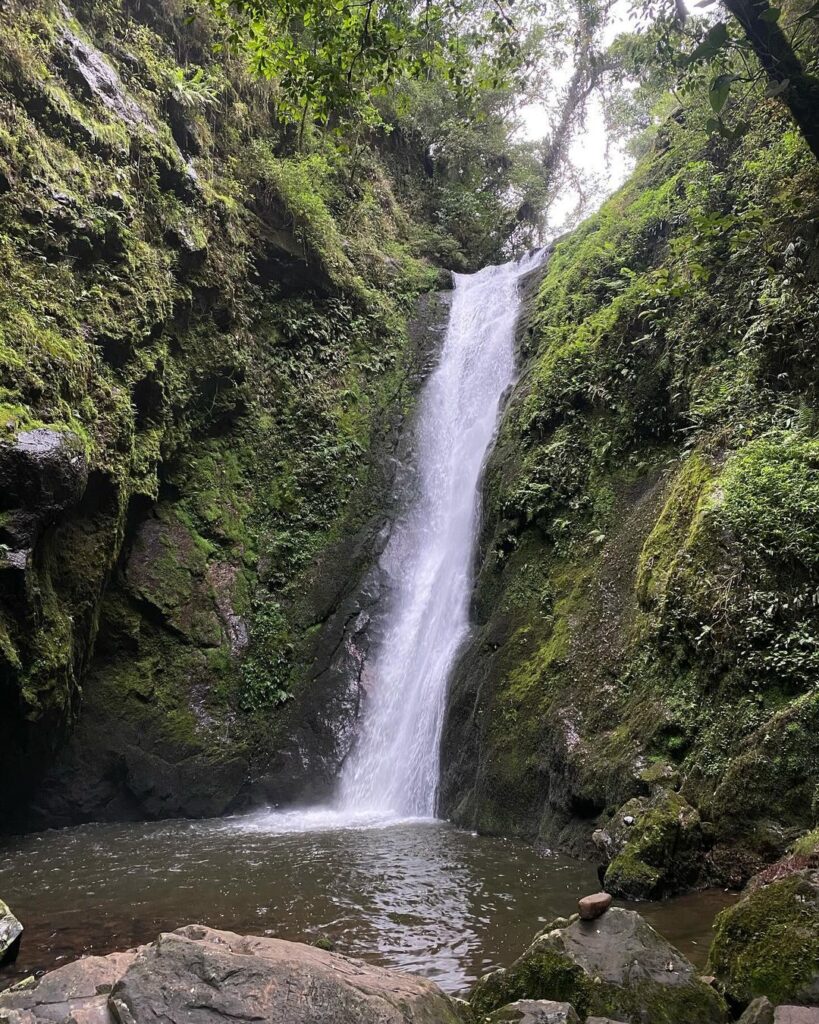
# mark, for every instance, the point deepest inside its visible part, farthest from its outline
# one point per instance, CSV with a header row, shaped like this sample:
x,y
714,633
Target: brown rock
x,y
796,1015
593,906
197,975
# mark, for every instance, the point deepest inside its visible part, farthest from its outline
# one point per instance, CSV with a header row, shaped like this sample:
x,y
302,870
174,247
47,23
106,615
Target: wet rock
x,y
535,1011
76,991
202,976
654,847
94,78
10,933
42,472
593,906
760,1011
614,966
768,943
192,251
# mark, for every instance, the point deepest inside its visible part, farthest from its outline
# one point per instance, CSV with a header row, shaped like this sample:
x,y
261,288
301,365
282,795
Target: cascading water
x,y
393,769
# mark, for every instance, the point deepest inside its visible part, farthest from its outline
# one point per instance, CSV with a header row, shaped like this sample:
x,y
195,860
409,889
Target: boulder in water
x,y
10,932
197,975
616,966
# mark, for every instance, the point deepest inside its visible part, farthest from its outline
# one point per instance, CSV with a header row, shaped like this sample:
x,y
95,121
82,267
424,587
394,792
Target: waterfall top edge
x,y
529,261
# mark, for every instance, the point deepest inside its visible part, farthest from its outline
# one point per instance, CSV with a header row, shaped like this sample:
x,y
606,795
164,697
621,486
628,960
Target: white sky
x,y
608,164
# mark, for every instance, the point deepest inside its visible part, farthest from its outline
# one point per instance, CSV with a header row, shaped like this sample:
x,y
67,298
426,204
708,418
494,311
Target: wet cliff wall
x,y
641,683
205,361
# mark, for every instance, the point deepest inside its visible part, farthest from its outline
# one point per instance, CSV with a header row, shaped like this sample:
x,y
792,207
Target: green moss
x,y
807,845
543,973
768,943
667,542
661,853
770,498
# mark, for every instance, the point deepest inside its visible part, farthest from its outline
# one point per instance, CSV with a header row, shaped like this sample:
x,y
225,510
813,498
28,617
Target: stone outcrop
x,y
616,966
197,458
197,975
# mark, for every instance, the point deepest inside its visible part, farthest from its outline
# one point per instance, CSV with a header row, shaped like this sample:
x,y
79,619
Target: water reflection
x,y
418,895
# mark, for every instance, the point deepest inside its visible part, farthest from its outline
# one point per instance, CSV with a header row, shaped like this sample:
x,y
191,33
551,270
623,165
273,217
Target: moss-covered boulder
x,y
655,847
768,943
616,966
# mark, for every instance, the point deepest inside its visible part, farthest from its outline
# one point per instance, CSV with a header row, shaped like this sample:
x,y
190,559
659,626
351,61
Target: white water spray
x,y
393,769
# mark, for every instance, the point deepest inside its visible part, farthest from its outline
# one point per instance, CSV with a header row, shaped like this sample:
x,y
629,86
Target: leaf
x,y
776,88
773,14
719,91
812,13
715,38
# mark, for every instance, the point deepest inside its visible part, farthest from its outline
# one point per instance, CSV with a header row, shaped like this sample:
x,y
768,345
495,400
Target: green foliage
x,y
657,463
266,670
333,60
771,500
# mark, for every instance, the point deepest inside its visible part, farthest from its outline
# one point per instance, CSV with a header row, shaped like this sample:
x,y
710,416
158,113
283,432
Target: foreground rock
x,y
535,1011
197,975
768,943
616,966
594,906
10,932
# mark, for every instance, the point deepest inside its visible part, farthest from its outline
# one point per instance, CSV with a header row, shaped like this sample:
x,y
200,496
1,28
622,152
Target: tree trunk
x,y
781,64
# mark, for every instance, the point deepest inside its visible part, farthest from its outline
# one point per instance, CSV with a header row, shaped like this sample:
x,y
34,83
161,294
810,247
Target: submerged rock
x,y
616,966
768,943
10,932
201,976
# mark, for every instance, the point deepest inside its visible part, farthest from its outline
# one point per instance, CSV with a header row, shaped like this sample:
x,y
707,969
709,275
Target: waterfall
x,y
393,768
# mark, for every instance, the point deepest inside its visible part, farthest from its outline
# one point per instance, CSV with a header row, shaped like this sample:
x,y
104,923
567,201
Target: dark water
x,y
420,895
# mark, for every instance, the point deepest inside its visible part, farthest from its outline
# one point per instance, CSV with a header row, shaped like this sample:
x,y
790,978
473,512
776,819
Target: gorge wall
x,y
209,343
642,681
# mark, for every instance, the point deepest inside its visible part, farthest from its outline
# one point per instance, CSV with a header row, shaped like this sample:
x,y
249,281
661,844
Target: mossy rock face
x,y
768,943
616,966
648,558
205,364
655,847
